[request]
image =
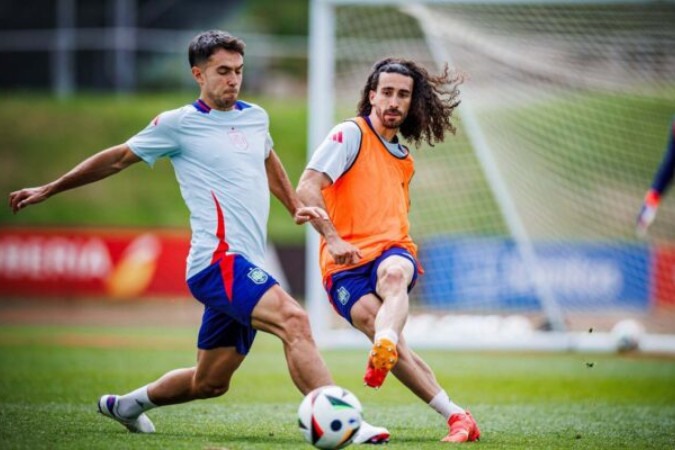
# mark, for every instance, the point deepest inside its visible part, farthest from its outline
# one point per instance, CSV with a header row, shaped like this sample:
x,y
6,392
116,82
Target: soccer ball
x,y
627,334
329,417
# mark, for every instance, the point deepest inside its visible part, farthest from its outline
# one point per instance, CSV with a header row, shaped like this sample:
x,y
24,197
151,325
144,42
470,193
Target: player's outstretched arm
x,y
280,185
101,165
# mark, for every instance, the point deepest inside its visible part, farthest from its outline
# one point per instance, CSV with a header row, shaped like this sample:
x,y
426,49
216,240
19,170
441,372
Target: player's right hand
x,y
28,196
343,252
306,213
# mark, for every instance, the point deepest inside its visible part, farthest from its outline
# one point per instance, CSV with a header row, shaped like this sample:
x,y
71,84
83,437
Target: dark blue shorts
x,y
229,289
345,288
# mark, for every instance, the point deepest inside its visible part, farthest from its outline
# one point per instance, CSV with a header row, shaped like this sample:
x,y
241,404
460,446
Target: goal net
x,y
526,218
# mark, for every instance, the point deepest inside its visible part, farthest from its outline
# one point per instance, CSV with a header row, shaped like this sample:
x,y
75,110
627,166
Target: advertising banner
x,y
63,263
664,276
490,274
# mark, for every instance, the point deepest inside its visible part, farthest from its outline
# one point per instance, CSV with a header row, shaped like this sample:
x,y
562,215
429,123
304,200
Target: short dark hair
x,y
205,44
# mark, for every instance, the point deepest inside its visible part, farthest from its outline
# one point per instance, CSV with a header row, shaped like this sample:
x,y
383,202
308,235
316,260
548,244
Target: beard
x,y
224,101
394,120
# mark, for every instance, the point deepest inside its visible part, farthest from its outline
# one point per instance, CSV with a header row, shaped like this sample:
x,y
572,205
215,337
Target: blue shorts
x,y
345,288
229,289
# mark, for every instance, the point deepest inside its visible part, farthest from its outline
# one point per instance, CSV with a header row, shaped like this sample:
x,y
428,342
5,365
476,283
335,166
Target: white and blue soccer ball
x,y
329,417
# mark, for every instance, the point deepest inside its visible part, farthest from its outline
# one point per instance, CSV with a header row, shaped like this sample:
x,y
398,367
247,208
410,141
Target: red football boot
x,y
382,359
463,428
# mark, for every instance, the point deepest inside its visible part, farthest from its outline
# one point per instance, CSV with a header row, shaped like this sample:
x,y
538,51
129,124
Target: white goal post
x,y
525,218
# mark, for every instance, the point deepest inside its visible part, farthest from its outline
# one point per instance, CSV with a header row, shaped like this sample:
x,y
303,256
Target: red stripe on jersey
x,y
227,272
226,261
337,137
220,233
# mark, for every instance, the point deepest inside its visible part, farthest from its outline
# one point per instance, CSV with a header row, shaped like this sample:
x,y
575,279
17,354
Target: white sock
x,y
442,404
387,334
135,403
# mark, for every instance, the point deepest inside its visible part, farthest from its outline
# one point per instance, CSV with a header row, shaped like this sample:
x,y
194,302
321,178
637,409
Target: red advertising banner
x,y
66,263
664,276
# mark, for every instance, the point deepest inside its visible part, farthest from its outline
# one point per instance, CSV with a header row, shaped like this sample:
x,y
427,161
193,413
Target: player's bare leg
x,y
417,376
209,378
278,313
394,275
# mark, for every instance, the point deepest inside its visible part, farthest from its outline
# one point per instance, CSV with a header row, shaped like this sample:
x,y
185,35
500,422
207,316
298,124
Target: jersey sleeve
x,y
158,139
338,151
269,145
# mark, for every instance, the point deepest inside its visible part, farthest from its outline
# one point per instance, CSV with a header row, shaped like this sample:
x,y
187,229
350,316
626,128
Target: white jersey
x,y
219,161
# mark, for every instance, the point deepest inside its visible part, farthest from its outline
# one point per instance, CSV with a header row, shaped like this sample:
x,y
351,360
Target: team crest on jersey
x,y
343,295
238,139
258,276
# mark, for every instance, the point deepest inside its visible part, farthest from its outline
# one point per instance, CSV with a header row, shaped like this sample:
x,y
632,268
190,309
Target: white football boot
x,y
108,406
369,434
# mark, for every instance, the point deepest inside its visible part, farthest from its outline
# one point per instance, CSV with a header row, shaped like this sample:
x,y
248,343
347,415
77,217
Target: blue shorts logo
x,y
343,295
258,276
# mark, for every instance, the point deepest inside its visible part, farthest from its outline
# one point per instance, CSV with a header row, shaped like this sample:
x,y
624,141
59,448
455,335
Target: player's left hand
x,y
306,213
24,197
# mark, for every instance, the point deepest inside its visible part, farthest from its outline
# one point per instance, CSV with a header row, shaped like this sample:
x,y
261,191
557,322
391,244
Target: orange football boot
x,y
382,359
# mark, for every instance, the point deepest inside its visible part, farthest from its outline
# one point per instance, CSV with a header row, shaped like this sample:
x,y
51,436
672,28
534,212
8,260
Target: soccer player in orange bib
x,y
360,175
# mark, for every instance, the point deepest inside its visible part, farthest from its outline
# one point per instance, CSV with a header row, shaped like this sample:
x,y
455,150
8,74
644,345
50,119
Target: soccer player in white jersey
x,y
222,154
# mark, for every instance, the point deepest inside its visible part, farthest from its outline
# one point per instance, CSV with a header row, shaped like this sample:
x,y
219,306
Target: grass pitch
x,y
51,377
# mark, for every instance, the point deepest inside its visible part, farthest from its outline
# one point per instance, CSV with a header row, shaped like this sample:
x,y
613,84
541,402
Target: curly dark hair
x,y
205,44
434,98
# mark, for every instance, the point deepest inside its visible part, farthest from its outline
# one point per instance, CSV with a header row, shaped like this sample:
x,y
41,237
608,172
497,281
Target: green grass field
x,y
51,377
